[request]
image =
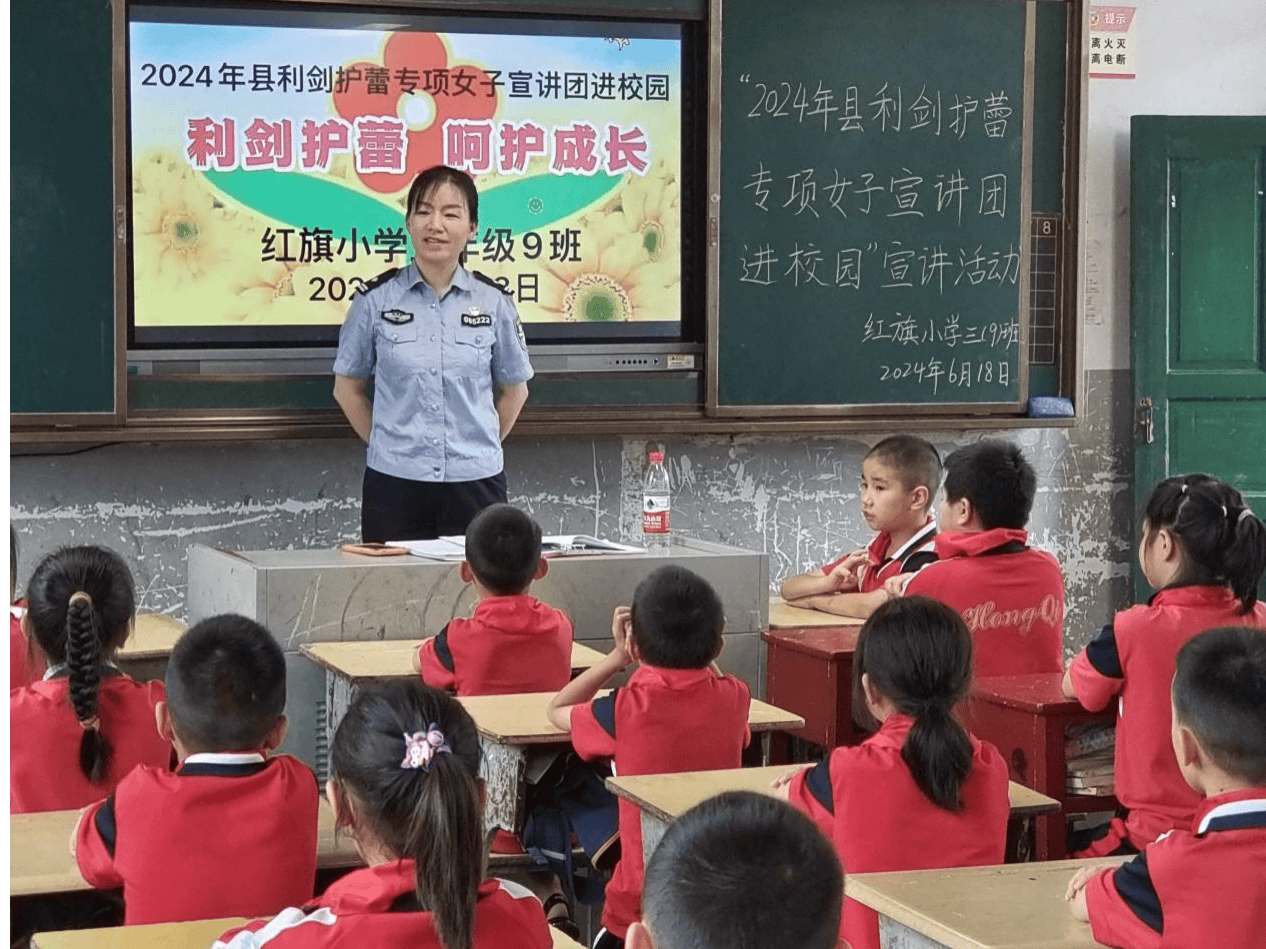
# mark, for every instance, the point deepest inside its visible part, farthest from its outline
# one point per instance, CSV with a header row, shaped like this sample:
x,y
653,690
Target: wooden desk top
x,y
372,659
667,796
153,636
782,615
1039,692
41,861
193,935
823,642
521,719
1019,906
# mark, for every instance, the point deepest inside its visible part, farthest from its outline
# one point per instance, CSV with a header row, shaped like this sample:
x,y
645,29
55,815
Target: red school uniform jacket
x,y
376,906
25,667
865,799
1203,888
664,721
917,552
512,644
1134,658
44,738
225,835
1010,596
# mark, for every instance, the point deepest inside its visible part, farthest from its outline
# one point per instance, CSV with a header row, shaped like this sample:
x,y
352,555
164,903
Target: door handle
x,y
1145,419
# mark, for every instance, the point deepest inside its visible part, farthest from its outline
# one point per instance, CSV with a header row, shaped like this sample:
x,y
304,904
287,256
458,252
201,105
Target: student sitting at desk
x,y
1202,887
514,642
679,712
77,732
900,476
233,832
741,871
921,793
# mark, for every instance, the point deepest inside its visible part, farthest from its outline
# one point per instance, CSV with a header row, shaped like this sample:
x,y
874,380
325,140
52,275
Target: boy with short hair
x,y
677,713
233,831
1010,595
1205,887
741,871
513,642
900,476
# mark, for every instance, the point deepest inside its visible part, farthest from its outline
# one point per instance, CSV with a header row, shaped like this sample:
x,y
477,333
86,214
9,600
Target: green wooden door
x,y
1198,306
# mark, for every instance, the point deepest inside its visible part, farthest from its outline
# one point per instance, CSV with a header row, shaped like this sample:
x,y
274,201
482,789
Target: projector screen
x,y
271,150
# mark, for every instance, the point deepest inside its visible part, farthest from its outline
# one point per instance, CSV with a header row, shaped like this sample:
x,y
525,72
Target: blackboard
x,y
874,195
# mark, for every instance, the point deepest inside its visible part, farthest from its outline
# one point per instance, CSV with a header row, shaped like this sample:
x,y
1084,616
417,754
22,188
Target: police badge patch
x,y
518,328
476,317
397,316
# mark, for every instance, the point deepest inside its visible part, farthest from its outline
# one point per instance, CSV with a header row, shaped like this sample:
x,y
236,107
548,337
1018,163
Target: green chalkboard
x,y
874,197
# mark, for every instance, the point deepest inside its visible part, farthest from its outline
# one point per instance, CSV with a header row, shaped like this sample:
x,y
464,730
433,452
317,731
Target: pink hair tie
x,y
80,597
420,748
91,724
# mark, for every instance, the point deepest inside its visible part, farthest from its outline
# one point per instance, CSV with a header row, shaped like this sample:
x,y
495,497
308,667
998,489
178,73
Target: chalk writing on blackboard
x,y
893,266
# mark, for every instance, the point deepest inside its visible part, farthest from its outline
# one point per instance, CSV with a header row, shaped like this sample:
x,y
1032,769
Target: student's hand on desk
x,y
1076,894
843,575
782,783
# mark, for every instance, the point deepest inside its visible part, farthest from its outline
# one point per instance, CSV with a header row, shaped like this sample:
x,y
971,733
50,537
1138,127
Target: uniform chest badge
x,y
476,317
397,316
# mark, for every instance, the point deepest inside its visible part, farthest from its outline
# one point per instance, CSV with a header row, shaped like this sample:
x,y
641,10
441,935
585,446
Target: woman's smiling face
x,y
440,226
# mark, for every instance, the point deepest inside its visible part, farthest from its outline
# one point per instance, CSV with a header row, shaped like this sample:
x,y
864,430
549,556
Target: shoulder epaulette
x,y
378,281
488,280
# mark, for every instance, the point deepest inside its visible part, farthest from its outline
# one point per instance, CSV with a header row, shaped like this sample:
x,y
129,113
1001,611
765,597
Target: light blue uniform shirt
x,y
436,364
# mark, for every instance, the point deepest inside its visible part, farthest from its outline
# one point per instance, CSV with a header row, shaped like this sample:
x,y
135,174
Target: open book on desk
x,y
571,545
452,549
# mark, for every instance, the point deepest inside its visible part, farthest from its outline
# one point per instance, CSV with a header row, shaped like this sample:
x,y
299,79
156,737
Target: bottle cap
x,y
656,457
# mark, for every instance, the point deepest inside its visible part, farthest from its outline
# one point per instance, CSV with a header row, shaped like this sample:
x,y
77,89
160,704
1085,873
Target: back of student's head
x,y
743,871
677,619
1223,541
1220,694
995,477
918,653
503,548
226,685
915,460
80,603
406,758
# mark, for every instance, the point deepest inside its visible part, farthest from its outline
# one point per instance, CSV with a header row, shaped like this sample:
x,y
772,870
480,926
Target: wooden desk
x,y
144,655
510,724
1026,716
1018,906
663,798
809,670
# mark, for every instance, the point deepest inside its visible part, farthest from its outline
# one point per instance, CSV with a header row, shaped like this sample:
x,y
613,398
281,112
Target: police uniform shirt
x,y
377,907
1134,658
866,800
511,644
436,365
225,835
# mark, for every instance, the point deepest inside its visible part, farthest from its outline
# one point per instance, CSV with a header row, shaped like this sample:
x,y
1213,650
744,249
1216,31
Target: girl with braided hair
x,y
74,734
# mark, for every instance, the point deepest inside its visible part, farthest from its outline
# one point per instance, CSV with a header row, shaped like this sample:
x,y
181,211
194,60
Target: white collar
x,y
225,757
1253,805
927,531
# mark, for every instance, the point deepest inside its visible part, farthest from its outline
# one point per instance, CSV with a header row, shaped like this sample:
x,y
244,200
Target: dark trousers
x,y
400,509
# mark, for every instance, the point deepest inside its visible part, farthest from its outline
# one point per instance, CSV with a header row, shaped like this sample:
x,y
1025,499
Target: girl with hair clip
x,y
404,785
920,793
77,732
1204,551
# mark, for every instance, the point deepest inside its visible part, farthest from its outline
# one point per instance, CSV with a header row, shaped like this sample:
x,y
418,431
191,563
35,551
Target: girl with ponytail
x,y
77,732
404,785
1204,551
920,793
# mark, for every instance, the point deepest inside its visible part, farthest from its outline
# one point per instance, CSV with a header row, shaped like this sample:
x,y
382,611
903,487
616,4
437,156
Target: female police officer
x,y
450,368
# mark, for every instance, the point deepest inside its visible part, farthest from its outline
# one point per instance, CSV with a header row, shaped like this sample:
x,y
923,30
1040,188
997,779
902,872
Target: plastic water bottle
x,y
657,512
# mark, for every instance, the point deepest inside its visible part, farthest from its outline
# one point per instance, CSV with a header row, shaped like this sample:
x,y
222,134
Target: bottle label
x,y
656,516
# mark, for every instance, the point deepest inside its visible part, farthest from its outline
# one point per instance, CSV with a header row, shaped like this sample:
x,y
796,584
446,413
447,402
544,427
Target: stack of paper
x,y
1088,753
558,545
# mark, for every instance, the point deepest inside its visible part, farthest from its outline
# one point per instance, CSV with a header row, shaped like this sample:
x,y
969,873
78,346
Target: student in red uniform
x,y
25,666
1204,553
678,712
77,732
514,642
1010,595
921,793
233,832
405,788
900,476
1201,886
741,871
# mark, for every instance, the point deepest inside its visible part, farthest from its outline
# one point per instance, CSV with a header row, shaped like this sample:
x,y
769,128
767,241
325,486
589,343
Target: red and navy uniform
x,y
512,644
225,835
917,552
44,737
25,665
1203,888
1010,595
1134,658
866,800
664,721
377,906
